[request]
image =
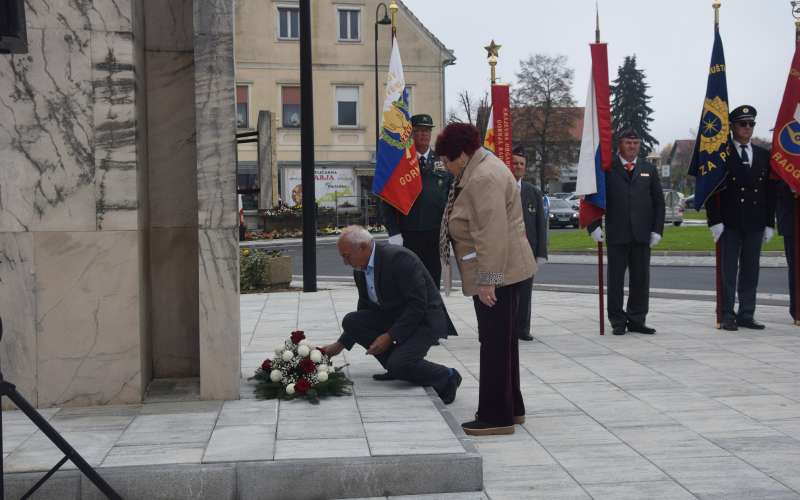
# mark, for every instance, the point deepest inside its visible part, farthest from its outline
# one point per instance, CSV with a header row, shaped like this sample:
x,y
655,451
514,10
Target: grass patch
x,y
692,214
676,239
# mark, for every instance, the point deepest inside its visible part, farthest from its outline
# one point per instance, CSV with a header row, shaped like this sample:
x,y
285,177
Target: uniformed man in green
x,y
419,230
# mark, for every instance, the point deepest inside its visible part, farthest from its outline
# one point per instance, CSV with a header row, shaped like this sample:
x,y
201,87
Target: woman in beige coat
x,y
483,220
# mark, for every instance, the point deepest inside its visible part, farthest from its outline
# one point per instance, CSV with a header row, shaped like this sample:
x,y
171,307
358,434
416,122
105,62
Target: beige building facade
x,y
343,56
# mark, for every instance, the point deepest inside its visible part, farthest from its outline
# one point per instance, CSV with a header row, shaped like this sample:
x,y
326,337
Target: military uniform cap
x,y
422,120
742,113
629,133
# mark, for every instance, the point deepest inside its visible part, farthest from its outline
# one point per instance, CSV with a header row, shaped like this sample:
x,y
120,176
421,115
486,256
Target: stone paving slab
x,y
691,412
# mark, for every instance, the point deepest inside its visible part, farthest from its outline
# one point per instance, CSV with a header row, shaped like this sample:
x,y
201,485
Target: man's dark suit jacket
x,y
748,196
408,297
634,204
533,215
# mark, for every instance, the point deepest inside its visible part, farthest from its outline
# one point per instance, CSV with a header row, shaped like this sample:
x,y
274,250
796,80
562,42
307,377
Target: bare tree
x,y
471,110
544,112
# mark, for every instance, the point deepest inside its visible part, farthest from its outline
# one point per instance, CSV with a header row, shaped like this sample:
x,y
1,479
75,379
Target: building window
x,y
13,35
288,23
242,106
348,25
347,106
290,107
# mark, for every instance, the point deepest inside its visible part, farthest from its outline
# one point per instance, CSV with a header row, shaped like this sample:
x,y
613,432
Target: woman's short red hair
x,y
457,138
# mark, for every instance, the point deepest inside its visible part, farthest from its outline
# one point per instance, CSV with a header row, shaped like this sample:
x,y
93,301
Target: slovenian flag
x,y
397,177
596,152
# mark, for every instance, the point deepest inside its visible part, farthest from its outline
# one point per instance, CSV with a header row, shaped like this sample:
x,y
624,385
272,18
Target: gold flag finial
x,y
393,8
492,53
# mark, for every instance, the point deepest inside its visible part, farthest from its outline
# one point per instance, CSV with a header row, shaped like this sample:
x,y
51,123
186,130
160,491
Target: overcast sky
x,y
672,40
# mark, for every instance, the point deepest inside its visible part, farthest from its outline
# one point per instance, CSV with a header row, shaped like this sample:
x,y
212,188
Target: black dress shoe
x,y
448,394
526,337
641,329
619,330
381,377
750,323
478,428
729,325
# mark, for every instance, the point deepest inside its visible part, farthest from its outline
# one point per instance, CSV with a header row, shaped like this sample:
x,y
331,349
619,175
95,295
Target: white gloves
x,y
540,261
597,235
768,234
716,231
654,239
397,239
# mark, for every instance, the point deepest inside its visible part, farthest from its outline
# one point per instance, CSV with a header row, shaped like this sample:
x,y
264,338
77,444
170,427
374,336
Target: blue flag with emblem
x,y
709,165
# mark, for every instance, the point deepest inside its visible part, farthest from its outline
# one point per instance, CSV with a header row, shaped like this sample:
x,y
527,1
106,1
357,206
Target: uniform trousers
x,y
788,247
499,396
741,256
404,361
426,245
523,322
635,258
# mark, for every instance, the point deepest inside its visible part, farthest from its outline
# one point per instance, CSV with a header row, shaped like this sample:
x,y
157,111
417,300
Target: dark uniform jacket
x,y
533,215
785,209
634,204
407,295
747,196
426,213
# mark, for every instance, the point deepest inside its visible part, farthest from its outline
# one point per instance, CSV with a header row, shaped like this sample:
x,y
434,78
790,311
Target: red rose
x,y
266,365
302,386
297,336
308,366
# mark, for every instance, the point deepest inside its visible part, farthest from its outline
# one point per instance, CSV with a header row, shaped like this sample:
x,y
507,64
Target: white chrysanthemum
x,y
322,376
304,342
316,356
287,355
276,375
322,368
279,349
303,350
290,389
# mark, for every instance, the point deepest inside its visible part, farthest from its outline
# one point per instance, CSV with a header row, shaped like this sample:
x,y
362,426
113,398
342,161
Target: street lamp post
x,y
385,21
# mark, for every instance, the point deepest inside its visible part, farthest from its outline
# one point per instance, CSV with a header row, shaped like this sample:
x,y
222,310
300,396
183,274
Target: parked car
x,y
688,203
574,200
562,214
560,196
673,207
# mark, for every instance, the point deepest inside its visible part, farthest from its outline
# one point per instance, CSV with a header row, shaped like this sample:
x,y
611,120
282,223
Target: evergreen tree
x,y
630,104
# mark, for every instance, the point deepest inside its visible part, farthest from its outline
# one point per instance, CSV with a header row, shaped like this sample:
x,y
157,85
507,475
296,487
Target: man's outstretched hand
x,y
333,349
380,345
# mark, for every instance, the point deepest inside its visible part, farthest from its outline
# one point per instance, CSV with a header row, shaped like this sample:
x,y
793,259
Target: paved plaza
x,y
691,412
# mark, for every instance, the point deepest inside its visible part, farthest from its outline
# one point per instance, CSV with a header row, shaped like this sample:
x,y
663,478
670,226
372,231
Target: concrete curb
x,y
309,479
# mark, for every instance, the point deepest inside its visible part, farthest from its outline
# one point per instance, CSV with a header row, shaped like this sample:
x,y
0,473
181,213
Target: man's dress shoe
x,y
750,323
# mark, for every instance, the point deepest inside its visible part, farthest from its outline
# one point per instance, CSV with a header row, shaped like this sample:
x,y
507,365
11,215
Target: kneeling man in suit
x,y
400,312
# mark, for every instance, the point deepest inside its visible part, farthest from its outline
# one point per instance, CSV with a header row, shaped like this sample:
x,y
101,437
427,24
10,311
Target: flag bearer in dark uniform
x,y
419,230
785,214
743,221
634,224
536,231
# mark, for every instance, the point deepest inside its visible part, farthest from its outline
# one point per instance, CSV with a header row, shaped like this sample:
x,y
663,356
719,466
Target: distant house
x,y
679,158
343,41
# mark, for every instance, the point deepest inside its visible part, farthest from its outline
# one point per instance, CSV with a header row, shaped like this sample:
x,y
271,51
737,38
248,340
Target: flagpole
x,y
718,244
796,14
600,271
